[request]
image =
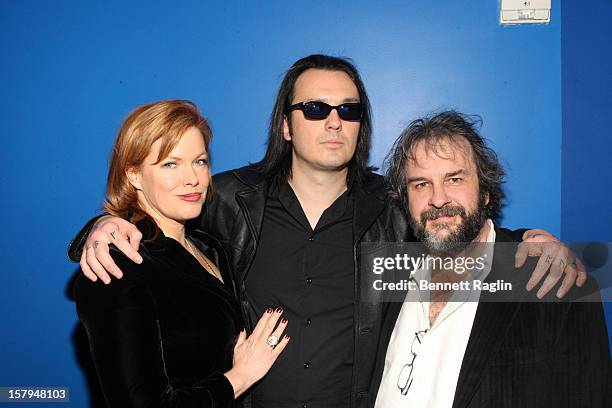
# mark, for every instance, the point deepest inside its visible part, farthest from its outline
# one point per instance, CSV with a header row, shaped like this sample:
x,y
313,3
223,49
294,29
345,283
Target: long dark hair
x,y
277,159
448,126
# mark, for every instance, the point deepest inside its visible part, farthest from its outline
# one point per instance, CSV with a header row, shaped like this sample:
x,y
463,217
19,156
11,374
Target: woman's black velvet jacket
x,y
163,335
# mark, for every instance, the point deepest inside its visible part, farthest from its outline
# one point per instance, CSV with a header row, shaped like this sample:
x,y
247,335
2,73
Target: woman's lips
x,y
190,196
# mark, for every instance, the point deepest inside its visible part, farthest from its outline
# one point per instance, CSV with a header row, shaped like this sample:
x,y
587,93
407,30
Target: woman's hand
x,y
254,355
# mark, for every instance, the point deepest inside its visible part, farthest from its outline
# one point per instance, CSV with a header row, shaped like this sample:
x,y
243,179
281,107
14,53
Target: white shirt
x,y
439,355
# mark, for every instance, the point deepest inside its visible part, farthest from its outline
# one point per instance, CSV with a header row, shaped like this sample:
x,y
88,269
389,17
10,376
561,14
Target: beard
x,y
456,241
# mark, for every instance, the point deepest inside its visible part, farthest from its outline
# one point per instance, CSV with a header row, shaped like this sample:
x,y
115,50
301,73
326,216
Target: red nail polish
x,y
287,336
269,310
279,309
284,320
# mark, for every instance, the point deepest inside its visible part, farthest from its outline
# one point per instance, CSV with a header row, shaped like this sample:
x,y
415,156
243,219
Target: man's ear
x,y
286,130
134,177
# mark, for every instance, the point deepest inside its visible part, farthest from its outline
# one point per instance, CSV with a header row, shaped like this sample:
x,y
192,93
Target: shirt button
x,y
307,364
308,280
308,321
311,238
304,405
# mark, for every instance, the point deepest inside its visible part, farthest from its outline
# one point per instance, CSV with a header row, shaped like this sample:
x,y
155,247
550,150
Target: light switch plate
x,y
524,11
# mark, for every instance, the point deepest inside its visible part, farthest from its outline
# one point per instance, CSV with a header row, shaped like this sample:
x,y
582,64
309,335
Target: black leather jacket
x,y
235,217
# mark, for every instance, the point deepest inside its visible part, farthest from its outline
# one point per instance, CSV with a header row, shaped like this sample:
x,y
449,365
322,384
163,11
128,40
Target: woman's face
x,y
174,189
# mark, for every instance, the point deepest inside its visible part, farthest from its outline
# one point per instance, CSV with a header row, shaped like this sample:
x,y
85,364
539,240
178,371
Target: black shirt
x,y
310,274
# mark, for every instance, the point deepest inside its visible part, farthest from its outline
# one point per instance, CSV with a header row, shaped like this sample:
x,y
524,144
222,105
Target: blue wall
x,y
587,122
73,69
586,195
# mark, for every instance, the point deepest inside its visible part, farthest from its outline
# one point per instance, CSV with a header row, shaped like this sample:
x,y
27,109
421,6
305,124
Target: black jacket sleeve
x,y
75,248
581,354
126,346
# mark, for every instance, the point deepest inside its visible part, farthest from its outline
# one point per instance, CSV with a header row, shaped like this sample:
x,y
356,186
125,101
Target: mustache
x,y
338,137
446,211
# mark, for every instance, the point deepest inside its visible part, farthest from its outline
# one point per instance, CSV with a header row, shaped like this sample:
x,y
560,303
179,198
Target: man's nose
x,y
333,121
439,198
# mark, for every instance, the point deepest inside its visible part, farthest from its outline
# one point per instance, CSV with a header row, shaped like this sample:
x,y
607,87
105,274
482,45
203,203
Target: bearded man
x,y
461,347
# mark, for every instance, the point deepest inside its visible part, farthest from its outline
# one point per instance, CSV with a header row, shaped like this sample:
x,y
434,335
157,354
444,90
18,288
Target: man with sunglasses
x,y
292,225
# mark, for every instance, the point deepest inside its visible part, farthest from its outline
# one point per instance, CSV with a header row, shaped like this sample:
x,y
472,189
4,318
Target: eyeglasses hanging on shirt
x,y
404,381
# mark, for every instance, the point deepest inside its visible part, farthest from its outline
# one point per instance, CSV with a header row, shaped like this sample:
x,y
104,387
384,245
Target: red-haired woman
x,y
169,333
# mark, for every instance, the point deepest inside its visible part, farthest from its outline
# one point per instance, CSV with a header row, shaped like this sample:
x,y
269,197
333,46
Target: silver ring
x,y
95,244
571,263
272,341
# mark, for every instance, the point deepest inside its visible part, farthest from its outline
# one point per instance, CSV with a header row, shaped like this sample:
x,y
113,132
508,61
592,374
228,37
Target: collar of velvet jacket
x,y
154,240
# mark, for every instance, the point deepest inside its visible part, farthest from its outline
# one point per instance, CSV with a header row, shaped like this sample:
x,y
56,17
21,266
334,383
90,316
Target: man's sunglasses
x,y
317,110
